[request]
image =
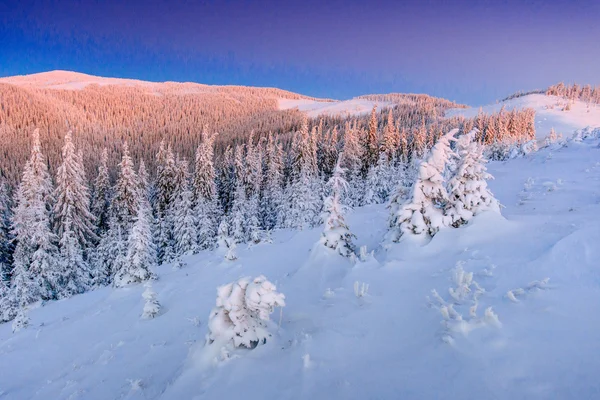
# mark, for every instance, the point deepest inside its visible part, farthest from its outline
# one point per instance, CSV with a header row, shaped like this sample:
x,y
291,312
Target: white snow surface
x,y
548,113
523,326
342,108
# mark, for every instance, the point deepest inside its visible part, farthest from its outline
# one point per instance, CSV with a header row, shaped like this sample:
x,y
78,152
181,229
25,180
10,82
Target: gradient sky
x,y
470,51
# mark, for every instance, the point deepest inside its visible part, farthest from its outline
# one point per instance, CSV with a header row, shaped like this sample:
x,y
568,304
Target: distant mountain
x,y
104,112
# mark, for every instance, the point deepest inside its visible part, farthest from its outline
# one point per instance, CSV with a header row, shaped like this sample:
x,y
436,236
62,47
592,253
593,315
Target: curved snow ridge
x,y
550,113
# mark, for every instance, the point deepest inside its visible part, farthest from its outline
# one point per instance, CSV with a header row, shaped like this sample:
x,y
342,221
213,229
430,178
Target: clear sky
x,y
469,51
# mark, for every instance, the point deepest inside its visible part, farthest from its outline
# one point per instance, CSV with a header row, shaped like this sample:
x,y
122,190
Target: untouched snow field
x,y
548,113
342,108
536,267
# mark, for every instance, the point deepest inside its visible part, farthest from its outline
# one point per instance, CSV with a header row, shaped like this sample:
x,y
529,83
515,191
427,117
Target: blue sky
x,y
470,51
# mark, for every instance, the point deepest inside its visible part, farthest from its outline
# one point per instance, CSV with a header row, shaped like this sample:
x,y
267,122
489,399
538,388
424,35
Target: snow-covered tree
x,y
6,245
185,235
238,221
389,145
124,204
272,200
143,181
21,320
109,255
336,234
151,304
76,276
379,183
141,254
352,165
370,144
241,315
36,273
72,208
102,195
469,194
423,213
205,199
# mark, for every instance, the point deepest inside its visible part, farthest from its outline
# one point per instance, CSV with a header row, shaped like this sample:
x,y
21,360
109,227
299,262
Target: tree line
x,y
61,234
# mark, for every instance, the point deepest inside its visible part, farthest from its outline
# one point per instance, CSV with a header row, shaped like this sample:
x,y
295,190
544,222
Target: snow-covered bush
x,y
469,194
152,306
225,241
21,321
241,315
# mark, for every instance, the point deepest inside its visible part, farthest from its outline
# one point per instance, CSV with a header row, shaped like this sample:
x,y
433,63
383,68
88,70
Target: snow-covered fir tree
x,y
185,235
352,164
389,145
102,195
468,191
72,208
272,200
124,204
303,194
166,179
206,206
237,218
424,212
336,234
6,245
379,183
370,152
143,181
36,270
141,254
109,255
254,179
76,276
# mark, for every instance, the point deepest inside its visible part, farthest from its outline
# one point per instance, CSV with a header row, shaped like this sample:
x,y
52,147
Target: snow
x,y
548,113
315,108
357,331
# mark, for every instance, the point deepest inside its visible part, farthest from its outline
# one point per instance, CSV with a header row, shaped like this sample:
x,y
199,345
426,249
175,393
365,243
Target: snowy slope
x,y
548,113
342,108
389,344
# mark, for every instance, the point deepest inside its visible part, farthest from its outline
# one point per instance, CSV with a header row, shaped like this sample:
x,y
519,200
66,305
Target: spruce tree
x,y
72,205
469,194
141,255
336,234
390,138
185,235
36,273
272,199
6,245
102,195
423,214
126,193
370,144
352,165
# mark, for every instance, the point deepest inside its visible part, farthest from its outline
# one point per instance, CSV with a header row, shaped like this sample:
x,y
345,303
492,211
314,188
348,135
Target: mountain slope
x,y
331,344
549,113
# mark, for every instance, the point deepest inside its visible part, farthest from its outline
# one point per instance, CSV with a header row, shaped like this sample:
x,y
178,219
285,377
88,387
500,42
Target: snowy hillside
x,y
549,113
536,267
344,108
